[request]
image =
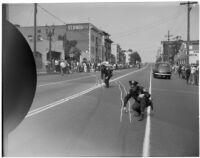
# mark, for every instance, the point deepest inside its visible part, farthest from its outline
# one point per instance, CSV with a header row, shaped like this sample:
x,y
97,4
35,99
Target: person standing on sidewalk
x,y
62,66
187,73
57,65
179,71
192,78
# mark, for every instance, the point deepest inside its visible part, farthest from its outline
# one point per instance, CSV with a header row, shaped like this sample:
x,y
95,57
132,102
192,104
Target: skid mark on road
x,y
121,111
56,103
129,104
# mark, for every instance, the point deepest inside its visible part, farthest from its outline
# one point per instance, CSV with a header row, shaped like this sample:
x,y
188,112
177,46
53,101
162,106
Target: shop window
x,y
92,38
92,50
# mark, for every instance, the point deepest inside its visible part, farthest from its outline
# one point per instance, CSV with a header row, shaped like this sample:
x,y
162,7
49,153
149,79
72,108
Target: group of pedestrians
x,y
190,73
67,67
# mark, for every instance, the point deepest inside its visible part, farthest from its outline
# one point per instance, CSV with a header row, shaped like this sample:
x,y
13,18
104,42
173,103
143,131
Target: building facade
x,y
94,44
127,53
182,57
42,53
115,50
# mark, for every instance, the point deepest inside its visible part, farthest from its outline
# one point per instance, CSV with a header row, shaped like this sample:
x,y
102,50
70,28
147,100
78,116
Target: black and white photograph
x,y
100,79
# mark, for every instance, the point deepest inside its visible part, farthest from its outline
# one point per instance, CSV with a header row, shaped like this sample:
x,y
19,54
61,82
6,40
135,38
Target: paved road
x,y
76,116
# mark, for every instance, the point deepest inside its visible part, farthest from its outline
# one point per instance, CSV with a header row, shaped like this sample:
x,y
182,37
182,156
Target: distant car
x,y
162,70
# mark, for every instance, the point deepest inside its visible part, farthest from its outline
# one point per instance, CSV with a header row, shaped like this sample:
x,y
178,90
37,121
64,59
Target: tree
x,y
76,53
70,48
134,57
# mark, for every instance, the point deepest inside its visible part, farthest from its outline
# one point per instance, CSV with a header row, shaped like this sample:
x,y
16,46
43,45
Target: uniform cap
x,y
132,82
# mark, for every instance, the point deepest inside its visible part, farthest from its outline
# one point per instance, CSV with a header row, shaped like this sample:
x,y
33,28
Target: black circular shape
x,y
19,77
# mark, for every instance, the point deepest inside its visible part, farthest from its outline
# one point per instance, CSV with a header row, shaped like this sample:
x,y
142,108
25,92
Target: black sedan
x,y
162,70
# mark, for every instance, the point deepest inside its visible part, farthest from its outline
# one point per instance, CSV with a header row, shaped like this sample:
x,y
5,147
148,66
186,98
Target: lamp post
x,y
50,33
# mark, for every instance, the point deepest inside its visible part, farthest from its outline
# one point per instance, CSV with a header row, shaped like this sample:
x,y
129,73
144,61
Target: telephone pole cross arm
x,y
188,24
168,36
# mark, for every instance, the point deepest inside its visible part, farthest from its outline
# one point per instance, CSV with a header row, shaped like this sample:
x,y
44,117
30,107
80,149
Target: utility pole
x,y
35,26
189,8
168,36
168,44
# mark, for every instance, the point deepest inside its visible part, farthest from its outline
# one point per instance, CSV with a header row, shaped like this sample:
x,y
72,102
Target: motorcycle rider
x,y
108,74
142,99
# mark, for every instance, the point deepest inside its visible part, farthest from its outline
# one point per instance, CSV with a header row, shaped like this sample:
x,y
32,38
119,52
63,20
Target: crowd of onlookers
x,y
188,72
67,67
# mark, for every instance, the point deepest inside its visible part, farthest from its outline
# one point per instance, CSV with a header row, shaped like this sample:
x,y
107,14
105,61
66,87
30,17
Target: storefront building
x,y
93,43
182,57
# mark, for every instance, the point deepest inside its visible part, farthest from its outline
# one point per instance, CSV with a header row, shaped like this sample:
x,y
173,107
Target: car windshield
x,y
165,67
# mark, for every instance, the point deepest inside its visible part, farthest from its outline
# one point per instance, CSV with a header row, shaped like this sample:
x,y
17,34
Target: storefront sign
x,y
77,27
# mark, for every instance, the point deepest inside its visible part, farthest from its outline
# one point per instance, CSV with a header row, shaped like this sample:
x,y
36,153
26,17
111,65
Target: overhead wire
x,y
155,25
149,26
48,12
30,15
59,19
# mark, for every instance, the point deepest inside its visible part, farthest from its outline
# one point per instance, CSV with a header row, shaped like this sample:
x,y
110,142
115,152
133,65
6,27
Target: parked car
x,y
163,70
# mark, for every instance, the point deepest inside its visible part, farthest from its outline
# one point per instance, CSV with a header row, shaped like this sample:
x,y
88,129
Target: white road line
x,y
60,82
129,104
121,114
38,110
146,143
56,103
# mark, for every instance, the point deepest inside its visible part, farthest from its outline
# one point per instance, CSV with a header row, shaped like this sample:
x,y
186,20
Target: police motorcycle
x,y
106,73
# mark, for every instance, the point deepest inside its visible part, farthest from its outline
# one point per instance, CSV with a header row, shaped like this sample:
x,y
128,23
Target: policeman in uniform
x,y
108,75
142,99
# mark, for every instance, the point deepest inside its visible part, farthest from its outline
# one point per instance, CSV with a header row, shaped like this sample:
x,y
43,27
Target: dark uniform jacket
x,y
135,92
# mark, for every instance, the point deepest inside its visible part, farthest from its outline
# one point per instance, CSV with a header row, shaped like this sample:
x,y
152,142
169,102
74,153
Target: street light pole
x,y
50,33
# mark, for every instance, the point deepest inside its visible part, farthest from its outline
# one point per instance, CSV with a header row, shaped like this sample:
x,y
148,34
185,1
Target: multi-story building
x,y
107,47
115,50
42,53
127,53
93,43
182,57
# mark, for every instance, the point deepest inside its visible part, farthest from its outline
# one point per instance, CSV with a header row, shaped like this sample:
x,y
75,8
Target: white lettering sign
x,y
77,27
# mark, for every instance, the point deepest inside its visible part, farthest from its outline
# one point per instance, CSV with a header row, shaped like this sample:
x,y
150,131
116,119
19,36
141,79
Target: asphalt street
x,y
75,115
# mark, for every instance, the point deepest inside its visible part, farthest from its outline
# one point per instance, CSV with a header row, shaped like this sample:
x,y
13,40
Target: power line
x,y
151,24
62,21
145,29
31,14
51,14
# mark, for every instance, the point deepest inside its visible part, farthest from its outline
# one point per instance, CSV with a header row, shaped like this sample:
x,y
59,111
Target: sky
x,y
140,26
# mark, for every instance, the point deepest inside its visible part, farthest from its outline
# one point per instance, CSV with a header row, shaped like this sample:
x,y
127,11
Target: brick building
x,y
93,43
